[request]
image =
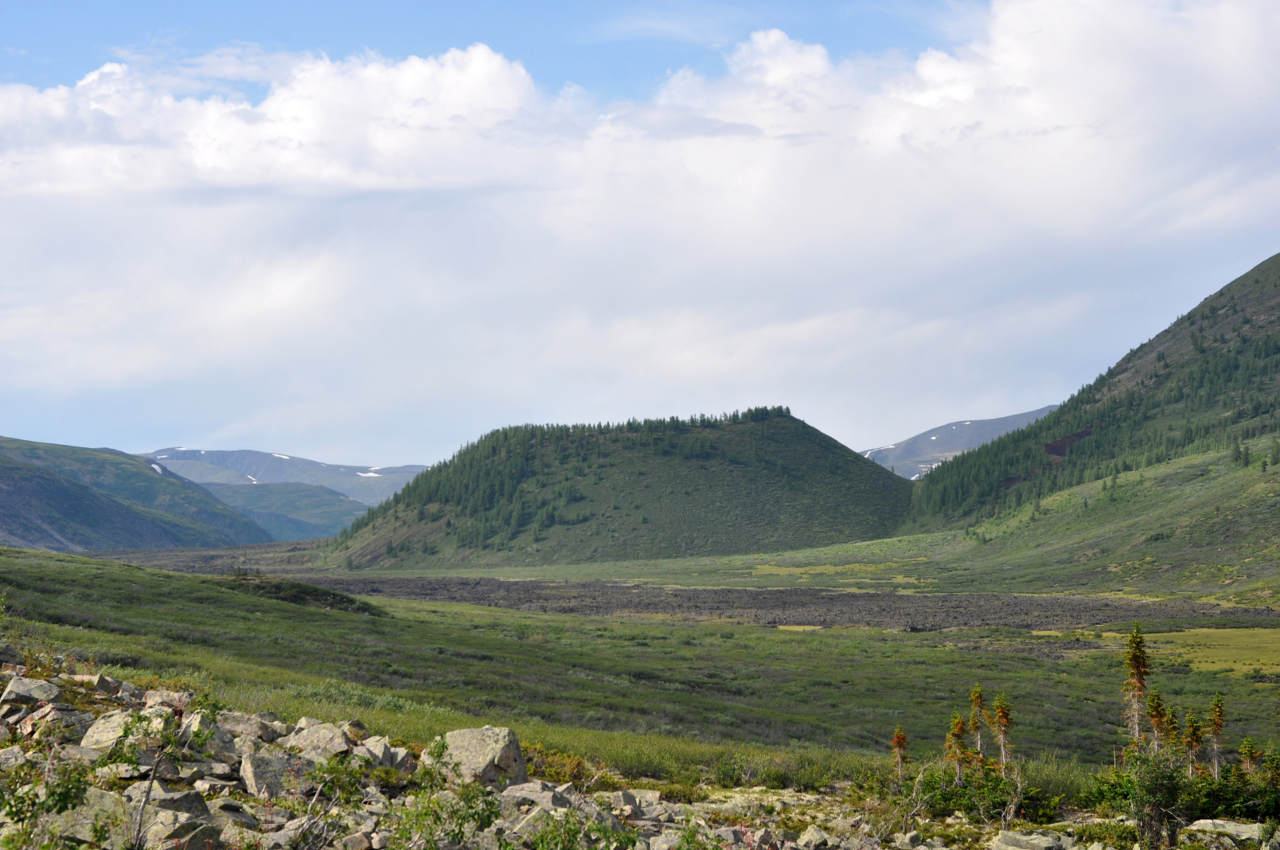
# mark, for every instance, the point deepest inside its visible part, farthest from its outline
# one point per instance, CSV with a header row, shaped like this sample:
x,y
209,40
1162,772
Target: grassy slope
x,y
836,688
1210,378
1199,526
154,509
291,511
619,493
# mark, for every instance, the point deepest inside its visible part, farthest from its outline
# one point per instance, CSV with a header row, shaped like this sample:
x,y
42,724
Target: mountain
x,y
1207,382
745,482
72,499
367,484
291,511
916,456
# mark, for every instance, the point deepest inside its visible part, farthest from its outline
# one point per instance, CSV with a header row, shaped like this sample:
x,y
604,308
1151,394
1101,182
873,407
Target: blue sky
x,y
616,50
371,238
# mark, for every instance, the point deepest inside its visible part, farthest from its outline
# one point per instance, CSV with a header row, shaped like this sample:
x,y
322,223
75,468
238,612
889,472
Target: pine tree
x,y
1135,686
1217,719
1159,717
977,717
1002,715
1192,740
955,750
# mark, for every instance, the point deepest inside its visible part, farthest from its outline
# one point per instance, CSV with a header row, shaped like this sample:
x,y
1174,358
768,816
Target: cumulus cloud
x,y
437,241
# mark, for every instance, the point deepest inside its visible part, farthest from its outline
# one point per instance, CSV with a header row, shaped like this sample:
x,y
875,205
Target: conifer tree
x,y
1192,740
955,749
977,717
1159,717
1217,719
899,745
1135,686
1002,715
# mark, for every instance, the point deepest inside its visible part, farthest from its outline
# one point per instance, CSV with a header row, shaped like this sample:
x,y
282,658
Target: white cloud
x,y
880,245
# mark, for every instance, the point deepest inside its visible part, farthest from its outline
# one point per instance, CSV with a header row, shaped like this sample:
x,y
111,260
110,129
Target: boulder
x,y
104,732
1007,840
200,730
317,742
1235,830
29,691
98,809
272,772
9,654
490,756
814,837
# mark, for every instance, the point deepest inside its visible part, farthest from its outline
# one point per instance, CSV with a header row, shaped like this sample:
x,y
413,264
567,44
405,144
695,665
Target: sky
x,y
371,238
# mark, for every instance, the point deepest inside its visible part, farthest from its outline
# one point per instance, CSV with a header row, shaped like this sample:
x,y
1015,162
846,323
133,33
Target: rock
x,y
170,830
272,772
60,721
29,691
907,840
1007,840
489,755
9,654
317,742
104,732
729,835
169,699
517,799
356,841
240,724
1235,830
11,757
814,837
99,808
168,799
666,841
199,729
96,682
227,811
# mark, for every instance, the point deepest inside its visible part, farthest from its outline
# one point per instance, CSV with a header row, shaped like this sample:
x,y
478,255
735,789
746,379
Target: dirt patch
x,y
800,606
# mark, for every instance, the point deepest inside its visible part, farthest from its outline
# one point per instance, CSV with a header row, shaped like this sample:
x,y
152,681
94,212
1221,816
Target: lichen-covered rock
x,y
271,772
317,742
490,756
29,691
106,731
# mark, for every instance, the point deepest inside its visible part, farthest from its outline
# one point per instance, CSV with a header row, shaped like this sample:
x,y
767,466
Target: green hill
x,y
290,511
759,481
67,498
1204,384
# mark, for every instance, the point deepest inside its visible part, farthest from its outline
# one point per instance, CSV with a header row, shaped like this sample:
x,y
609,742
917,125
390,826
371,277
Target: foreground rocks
x,y
157,766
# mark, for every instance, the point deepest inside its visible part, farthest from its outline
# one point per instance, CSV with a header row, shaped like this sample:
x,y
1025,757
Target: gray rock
x,y
666,841
166,798
169,699
240,724
1235,830
489,755
11,757
201,730
29,691
1007,840
815,837
317,742
227,811
59,721
99,808
9,654
106,731
272,772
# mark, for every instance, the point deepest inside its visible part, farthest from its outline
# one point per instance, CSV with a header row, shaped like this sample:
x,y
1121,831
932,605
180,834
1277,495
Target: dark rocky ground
x,y
806,607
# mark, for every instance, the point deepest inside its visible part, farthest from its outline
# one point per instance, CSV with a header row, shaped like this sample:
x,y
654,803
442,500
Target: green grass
x,y
840,689
1199,527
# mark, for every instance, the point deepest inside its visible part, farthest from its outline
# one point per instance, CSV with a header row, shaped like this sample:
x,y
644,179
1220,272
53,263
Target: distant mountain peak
x,y
916,456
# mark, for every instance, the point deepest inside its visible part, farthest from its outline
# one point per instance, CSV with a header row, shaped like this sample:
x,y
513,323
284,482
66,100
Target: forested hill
x,y
1208,381
745,482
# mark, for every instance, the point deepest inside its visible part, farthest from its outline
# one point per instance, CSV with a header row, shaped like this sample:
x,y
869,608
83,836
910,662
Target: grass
x,y
587,684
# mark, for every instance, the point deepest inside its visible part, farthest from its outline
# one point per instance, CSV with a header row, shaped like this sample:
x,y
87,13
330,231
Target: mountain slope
x,y
916,456
49,505
760,481
1207,381
367,484
290,511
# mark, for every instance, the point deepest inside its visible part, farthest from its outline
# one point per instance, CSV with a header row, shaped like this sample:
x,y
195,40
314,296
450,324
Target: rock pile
x,y
103,763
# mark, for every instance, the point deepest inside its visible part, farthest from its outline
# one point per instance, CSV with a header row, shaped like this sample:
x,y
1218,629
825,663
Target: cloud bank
x,y
379,259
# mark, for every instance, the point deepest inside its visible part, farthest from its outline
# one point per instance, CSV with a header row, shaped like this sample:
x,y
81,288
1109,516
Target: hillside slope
x,y
49,505
1206,382
367,484
915,456
290,511
760,481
